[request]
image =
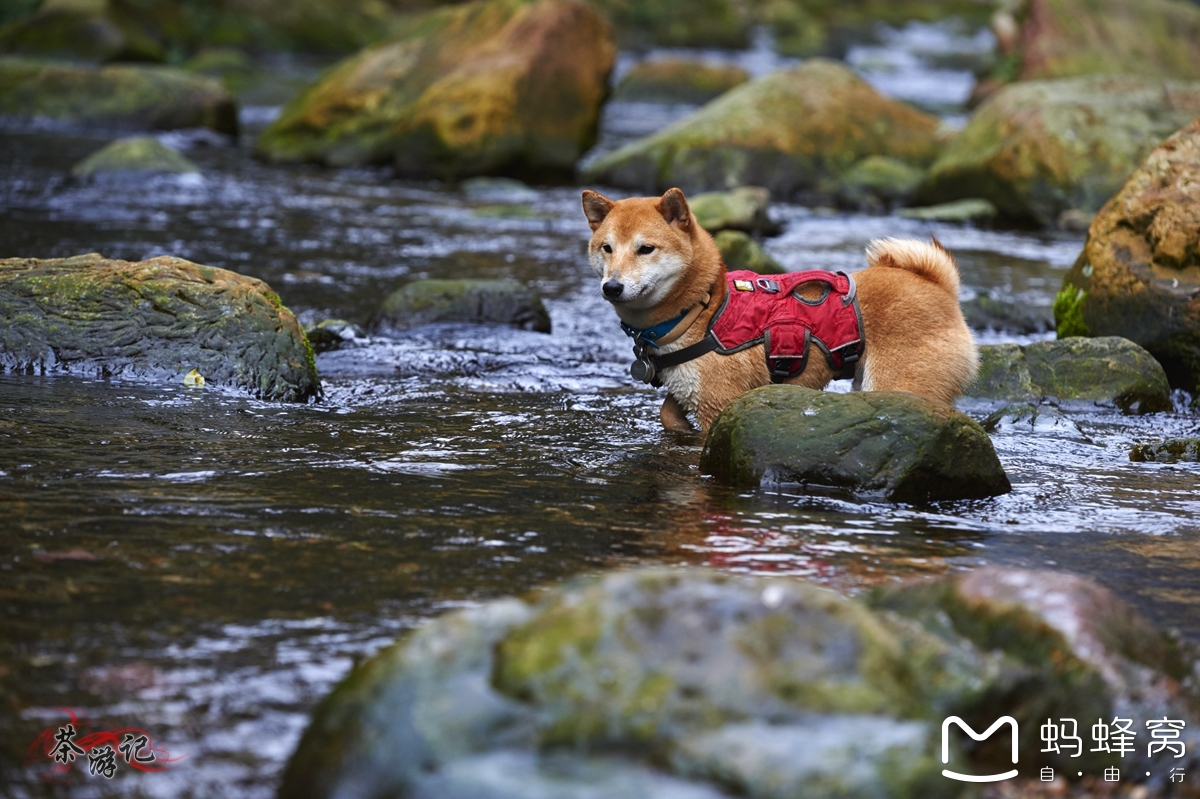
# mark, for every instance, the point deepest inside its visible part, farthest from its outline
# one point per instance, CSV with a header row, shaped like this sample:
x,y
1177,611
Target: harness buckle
x,y
768,285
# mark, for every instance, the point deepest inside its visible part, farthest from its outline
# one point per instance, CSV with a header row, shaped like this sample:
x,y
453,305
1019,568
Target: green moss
x,y
1068,313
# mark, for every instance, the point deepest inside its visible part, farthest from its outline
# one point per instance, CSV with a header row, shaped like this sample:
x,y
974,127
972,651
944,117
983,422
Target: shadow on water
x,y
206,566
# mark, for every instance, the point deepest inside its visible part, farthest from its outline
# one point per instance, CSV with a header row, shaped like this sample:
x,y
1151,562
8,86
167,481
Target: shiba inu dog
x,y
709,336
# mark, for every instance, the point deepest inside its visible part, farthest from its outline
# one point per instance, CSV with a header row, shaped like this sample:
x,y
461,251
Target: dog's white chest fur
x,y
683,382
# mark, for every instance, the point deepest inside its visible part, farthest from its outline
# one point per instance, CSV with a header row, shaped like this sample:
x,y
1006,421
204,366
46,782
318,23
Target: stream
x,y
206,567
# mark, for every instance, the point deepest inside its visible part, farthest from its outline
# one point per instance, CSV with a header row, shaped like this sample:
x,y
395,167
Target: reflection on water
x,y
207,566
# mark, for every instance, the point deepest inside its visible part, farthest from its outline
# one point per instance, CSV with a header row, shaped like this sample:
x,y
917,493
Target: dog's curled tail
x,y
929,260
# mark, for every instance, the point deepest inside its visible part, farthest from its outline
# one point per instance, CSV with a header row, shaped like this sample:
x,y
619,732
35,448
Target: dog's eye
x,y
606,247
645,249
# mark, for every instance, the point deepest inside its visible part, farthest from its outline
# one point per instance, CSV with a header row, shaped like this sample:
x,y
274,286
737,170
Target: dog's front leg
x,y
673,417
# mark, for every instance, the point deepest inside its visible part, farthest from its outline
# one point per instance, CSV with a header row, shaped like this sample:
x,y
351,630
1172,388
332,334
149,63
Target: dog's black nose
x,y
613,289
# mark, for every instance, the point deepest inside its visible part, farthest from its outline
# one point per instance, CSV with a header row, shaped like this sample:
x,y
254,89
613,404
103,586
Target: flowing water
x,y
206,567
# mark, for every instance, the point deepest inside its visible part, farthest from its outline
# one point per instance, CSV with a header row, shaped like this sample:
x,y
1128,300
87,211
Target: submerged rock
x,y
1069,38
739,251
797,129
969,210
880,443
744,208
426,302
1108,370
878,182
332,334
139,97
1173,450
986,313
156,319
1026,417
1139,273
694,684
489,87
678,80
1037,149
134,157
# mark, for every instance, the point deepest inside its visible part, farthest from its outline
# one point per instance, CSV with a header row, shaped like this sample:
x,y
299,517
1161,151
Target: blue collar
x,y
652,334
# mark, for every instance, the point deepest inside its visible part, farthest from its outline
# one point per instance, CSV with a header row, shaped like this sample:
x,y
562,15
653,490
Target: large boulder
x,y
678,80
1139,273
1039,149
157,320
119,95
1107,371
427,302
795,130
133,158
692,684
1069,38
492,86
890,444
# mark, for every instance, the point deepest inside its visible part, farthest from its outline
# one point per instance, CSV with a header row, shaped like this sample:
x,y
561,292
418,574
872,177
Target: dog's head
x,y
641,248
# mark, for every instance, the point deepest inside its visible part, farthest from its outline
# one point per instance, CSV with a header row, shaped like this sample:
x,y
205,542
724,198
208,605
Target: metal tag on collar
x,y
643,369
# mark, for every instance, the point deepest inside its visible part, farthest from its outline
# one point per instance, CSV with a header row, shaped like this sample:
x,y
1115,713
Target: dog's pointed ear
x,y
674,208
595,207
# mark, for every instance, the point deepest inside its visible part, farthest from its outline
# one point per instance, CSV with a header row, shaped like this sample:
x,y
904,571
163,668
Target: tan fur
x,y
917,340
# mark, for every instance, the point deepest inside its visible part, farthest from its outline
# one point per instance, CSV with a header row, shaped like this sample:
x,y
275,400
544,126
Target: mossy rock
x,y
1037,149
739,251
878,182
153,320
126,96
695,684
1107,371
426,302
678,80
887,444
133,158
962,211
494,86
1172,450
1139,273
81,30
644,24
795,130
1069,38
744,209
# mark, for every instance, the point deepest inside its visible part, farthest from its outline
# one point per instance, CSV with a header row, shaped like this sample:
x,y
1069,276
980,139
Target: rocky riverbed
x,y
207,566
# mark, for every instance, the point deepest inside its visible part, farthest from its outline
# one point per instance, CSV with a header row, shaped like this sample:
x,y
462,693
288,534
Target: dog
x,y
700,331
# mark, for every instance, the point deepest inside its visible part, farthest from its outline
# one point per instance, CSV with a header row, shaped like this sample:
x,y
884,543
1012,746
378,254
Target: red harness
x,y
767,310
762,309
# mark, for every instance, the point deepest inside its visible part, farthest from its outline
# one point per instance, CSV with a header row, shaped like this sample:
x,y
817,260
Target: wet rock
x,y
332,334
233,68
425,302
490,87
797,129
1026,417
133,158
880,443
878,182
739,251
88,30
497,189
1039,148
986,313
138,97
1069,38
156,319
1172,450
692,683
969,210
643,24
1109,370
1139,273
744,208
678,80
